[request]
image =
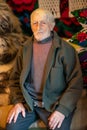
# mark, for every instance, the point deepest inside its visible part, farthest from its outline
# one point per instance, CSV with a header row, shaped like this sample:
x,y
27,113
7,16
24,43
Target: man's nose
x,y
39,26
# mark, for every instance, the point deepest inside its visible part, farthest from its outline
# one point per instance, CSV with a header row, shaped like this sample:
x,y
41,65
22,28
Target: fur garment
x,y
11,38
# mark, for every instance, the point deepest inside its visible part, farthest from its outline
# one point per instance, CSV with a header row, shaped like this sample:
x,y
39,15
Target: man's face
x,y
40,26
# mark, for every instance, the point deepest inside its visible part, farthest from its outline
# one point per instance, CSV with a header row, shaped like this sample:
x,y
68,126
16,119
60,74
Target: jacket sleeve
x,y
14,84
74,81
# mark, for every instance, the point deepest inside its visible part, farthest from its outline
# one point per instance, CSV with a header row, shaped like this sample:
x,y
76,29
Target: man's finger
x,y
23,113
59,124
10,118
15,117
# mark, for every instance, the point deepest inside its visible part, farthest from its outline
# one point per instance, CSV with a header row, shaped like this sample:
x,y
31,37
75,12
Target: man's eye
x,y
35,23
43,23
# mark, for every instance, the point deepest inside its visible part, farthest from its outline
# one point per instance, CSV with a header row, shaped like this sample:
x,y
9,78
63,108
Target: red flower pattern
x,y
21,5
81,36
68,34
18,2
83,13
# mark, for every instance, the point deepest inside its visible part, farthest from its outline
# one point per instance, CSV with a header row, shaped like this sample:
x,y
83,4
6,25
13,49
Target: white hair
x,y
48,14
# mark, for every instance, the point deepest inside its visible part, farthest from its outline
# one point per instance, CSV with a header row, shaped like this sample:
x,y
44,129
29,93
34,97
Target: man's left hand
x,y
55,120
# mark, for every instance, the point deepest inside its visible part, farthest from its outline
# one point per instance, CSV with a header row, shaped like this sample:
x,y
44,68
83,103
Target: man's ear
x,y
52,26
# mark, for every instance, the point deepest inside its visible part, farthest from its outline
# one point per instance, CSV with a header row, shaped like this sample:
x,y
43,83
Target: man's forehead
x,y
39,15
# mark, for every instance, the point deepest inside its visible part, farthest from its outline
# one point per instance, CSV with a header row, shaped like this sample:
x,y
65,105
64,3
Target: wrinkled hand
x,y
55,120
13,114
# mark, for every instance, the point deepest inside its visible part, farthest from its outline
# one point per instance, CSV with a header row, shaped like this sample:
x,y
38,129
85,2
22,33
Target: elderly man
x,y
50,78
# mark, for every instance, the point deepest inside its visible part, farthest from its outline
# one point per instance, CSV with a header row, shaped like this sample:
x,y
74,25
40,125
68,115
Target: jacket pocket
x,y
57,79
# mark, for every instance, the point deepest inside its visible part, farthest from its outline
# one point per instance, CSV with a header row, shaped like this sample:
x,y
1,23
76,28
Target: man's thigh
x,y
23,123
43,114
66,123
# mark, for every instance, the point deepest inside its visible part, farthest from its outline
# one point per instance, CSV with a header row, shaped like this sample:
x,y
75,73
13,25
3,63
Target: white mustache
x,y
38,32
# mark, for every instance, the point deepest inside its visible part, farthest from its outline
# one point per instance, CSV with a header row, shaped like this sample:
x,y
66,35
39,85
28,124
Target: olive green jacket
x,y
62,80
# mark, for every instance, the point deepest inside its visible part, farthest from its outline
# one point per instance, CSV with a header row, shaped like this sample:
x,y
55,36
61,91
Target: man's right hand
x,y
14,112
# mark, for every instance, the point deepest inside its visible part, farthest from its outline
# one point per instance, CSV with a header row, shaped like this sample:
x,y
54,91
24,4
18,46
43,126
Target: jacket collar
x,y
56,40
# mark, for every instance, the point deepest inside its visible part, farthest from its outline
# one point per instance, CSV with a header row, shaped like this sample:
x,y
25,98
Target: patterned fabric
x,y
51,5
76,5
80,38
67,27
21,5
81,15
83,62
64,8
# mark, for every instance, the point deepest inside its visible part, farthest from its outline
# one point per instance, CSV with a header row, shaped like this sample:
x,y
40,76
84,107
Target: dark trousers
x,y
38,113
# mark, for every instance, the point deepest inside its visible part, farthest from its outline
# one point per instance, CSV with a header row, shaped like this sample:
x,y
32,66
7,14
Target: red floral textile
x,y
21,5
64,10
83,13
81,36
18,2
